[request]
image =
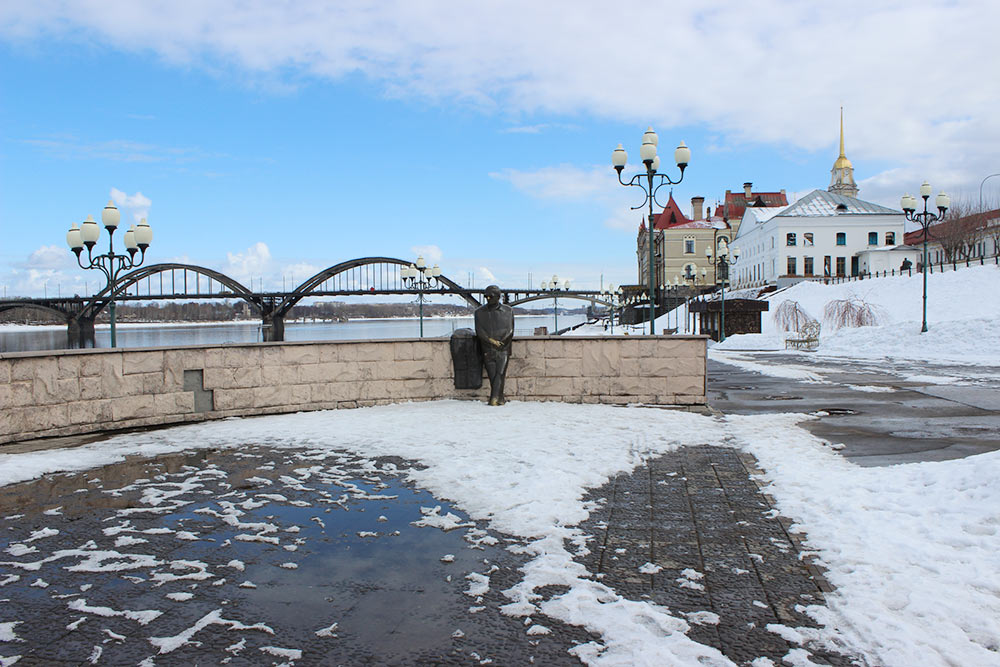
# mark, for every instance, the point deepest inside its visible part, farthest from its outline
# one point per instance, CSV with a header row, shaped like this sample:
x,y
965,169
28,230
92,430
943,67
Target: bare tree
x,y
790,316
961,232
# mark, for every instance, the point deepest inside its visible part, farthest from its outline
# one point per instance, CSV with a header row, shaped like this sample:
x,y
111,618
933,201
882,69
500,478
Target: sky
x,y
269,140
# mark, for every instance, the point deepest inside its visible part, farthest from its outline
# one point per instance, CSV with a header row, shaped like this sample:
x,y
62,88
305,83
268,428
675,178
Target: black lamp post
x,y
722,263
613,295
555,285
136,239
420,277
682,156
925,220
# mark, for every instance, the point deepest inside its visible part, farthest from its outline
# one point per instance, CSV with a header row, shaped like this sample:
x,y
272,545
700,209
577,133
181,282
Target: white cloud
x,y
485,275
297,273
916,79
431,253
50,257
564,182
136,205
254,262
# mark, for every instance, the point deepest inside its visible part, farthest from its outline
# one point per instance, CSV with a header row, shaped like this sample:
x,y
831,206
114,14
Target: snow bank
x,y
963,316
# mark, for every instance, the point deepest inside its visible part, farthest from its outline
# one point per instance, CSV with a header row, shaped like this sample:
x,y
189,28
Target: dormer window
x,y
841,208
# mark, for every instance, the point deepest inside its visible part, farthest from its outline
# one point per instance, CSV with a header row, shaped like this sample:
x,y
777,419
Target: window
x,y
807,238
688,246
872,238
826,265
841,266
791,266
890,238
807,266
841,238
790,238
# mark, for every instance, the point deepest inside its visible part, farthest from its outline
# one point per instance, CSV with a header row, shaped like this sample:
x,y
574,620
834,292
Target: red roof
x,y
951,226
736,202
671,216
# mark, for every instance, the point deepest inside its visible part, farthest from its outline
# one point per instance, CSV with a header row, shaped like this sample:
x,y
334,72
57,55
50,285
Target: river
x,y
20,338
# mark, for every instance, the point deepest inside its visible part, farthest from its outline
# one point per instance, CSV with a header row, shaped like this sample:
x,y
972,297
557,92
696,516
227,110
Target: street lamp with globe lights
x,y
555,285
909,205
136,239
722,262
420,277
682,156
613,295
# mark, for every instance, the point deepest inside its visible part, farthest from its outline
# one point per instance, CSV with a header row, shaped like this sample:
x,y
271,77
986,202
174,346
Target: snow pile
x,y
963,319
962,314
911,549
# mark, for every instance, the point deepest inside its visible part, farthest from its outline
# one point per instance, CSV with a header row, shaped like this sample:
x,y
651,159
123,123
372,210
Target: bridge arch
x,y
311,283
103,298
11,305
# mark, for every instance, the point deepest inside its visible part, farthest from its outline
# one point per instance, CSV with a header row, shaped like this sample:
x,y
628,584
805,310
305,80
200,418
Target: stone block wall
x,y
69,392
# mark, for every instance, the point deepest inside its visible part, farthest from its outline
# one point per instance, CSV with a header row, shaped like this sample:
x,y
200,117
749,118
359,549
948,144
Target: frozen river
x,y
17,338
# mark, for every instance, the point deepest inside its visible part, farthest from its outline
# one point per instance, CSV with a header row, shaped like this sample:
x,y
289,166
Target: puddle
x,y
839,411
301,550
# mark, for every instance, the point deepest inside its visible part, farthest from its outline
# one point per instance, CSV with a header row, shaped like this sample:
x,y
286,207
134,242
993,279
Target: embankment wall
x,y
72,392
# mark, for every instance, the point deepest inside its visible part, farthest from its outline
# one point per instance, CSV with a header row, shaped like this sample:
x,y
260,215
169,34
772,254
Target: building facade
x,y
819,236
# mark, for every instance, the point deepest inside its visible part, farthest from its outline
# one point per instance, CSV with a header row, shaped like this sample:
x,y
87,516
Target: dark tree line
x,y
232,310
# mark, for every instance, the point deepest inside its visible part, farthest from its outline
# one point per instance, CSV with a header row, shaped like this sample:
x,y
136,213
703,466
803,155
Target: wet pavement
x,y
883,413
255,557
296,557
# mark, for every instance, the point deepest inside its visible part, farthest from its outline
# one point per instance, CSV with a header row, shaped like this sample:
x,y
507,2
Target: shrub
x,y
853,312
789,316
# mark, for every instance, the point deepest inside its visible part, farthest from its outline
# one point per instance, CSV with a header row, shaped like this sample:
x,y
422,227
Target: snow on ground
x,y
963,316
911,548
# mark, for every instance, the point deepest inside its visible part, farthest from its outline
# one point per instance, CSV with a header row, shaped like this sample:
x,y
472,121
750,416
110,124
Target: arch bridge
x,y
364,276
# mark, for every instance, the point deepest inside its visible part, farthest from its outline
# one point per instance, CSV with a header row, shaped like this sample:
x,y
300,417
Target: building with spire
x,y
826,234
842,174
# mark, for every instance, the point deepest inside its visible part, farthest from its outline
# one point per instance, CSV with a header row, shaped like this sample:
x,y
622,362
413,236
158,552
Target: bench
x,y
807,337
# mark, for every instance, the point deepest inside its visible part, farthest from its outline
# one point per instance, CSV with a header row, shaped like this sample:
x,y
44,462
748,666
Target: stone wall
x,y
71,392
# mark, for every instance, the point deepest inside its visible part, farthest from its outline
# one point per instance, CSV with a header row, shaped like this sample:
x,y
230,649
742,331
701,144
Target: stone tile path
x,y
692,531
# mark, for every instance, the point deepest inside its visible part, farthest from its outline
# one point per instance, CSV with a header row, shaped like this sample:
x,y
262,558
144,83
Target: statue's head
x,y
492,294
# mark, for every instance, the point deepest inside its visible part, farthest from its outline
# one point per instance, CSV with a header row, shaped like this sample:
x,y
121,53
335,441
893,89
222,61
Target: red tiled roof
x,y
671,216
950,225
736,202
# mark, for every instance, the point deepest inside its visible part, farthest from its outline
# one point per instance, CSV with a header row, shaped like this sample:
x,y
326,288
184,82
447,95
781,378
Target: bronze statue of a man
x,y
495,331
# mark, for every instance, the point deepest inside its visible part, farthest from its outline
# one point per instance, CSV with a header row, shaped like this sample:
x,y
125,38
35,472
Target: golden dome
x,y
842,162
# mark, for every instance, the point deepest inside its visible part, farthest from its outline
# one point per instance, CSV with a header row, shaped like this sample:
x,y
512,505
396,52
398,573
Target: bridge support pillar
x,y
80,333
273,328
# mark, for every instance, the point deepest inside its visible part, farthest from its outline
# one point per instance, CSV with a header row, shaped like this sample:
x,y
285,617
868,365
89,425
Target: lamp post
x,y
554,285
925,220
613,295
136,239
682,156
722,263
420,277
981,211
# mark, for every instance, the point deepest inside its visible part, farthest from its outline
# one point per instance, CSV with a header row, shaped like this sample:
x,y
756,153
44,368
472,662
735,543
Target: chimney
x,y
746,190
708,215
696,204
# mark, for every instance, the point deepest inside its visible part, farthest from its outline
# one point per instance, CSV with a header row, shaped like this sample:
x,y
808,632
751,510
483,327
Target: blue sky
x,y
271,140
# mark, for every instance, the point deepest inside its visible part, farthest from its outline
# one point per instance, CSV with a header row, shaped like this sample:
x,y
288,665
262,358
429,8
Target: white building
x,y
828,233
823,234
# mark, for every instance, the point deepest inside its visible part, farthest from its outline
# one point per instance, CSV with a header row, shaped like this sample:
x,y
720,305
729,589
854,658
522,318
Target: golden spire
x,y
842,160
